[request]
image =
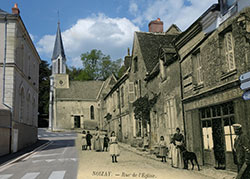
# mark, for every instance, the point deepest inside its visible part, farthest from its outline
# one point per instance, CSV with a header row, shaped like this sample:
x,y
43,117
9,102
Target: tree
x,y
97,66
44,88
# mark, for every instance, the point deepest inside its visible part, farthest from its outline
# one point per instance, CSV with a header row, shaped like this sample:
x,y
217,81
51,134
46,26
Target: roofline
x,y
118,83
213,7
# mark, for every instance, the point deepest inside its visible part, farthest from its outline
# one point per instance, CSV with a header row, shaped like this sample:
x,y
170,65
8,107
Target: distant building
x,y
73,104
19,74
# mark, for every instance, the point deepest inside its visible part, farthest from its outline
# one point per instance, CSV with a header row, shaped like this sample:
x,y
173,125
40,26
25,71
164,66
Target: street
x,y
57,160
98,165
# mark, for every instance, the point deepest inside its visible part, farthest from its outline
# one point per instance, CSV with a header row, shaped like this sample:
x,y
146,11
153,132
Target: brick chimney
x,y
15,9
155,26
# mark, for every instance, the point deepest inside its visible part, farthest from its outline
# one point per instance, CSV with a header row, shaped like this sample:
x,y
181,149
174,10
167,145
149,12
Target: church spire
x,y
58,47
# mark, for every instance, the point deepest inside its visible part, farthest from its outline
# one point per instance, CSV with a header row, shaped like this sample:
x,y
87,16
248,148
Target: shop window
x,y
229,133
207,135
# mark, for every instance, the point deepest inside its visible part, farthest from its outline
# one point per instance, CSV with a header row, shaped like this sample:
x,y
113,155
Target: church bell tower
x,y
59,78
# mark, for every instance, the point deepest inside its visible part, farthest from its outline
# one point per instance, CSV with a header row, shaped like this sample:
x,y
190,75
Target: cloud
x,y
133,8
110,35
180,12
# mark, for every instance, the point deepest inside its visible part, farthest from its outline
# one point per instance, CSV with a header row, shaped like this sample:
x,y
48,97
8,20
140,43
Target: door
x,y
77,122
219,142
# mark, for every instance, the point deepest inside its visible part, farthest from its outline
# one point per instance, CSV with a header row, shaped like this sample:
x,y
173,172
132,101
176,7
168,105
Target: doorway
x,y
219,142
77,122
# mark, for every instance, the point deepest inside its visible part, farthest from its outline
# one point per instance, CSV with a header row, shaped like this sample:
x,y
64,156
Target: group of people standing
x,y
173,151
101,144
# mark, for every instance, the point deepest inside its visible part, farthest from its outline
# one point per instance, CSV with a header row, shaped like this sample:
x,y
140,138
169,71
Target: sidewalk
x,y
205,170
10,157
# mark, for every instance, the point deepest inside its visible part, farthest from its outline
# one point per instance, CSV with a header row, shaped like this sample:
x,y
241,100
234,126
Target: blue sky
x,y
107,25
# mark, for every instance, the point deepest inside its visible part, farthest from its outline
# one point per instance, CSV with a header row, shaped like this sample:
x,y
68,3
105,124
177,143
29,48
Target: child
x,y
88,140
84,142
106,142
114,150
163,149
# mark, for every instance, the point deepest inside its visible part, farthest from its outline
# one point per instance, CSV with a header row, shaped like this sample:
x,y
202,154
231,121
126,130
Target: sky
x,y
106,25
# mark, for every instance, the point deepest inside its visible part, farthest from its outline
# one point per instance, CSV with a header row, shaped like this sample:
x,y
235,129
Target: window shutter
x,y
229,51
131,92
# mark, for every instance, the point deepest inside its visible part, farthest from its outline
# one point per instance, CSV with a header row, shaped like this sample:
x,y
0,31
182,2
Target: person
x,y
114,149
97,140
178,140
163,149
88,140
106,142
145,141
241,151
84,142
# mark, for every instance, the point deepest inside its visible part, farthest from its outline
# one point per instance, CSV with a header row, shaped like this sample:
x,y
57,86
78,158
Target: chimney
x,y
15,9
127,60
155,26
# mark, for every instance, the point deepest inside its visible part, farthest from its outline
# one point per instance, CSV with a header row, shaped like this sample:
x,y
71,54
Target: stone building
x,y
74,104
163,85
117,116
214,52
19,74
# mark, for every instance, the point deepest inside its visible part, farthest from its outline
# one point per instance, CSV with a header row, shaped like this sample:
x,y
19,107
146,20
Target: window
x,y
207,134
135,64
122,96
58,66
170,116
162,70
131,92
92,115
229,51
214,118
198,68
229,133
138,128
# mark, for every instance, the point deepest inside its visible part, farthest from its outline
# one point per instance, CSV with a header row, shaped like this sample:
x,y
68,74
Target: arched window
x,y
21,106
92,113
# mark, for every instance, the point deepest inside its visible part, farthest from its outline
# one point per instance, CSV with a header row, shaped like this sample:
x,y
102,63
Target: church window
x,y
58,71
92,115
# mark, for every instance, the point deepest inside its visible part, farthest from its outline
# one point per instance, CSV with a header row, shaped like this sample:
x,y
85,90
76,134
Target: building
x,y
214,52
73,104
19,74
164,91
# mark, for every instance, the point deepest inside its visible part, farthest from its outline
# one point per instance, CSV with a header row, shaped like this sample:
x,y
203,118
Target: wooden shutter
x,y
131,92
229,51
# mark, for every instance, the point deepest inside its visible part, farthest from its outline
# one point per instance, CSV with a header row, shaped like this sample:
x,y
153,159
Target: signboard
x,y
246,95
245,77
245,86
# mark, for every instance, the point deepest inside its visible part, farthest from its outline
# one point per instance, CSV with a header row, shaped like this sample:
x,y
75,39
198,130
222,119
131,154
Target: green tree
x,y
98,66
44,88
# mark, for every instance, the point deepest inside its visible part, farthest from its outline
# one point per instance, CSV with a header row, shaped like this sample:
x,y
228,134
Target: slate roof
x,y
58,47
150,44
80,90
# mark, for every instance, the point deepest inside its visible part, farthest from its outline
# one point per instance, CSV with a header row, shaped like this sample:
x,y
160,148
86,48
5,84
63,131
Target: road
x,y
98,165
56,161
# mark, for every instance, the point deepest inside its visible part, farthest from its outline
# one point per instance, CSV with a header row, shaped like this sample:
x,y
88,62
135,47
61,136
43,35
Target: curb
x,y
24,155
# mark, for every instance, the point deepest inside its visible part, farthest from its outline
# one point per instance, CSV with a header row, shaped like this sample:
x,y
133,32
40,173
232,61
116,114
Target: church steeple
x,y
58,56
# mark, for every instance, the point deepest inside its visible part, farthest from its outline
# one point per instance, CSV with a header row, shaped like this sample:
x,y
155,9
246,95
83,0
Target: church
x,y
73,104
